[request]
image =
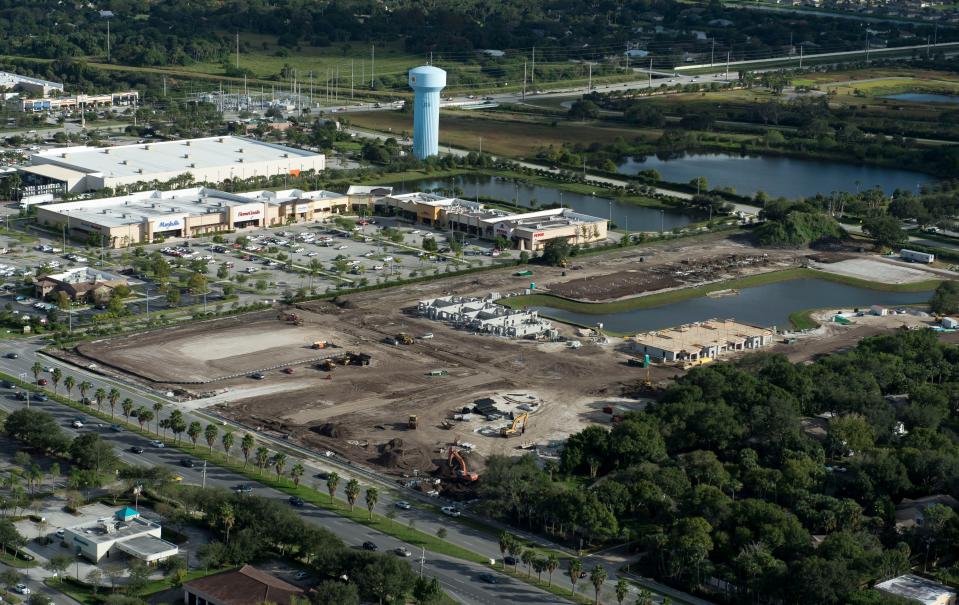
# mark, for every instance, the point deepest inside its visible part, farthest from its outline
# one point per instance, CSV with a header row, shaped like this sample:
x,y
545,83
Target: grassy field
x,y
674,296
870,73
511,138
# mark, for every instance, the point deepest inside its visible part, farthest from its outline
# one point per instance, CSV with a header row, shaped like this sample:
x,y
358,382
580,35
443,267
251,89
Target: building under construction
x,y
701,341
483,315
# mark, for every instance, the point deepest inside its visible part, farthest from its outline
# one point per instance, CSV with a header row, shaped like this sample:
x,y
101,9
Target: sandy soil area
x,y
874,269
362,412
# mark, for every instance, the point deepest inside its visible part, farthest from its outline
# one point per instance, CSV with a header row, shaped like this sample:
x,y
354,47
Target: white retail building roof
x,y
144,159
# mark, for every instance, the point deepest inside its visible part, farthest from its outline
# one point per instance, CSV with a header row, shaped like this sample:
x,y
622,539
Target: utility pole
x,y
422,560
650,73
524,80
867,46
352,73
712,53
204,474
238,50
311,89
727,65
627,57
108,40
927,47
372,64
164,86
800,56
589,85
532,71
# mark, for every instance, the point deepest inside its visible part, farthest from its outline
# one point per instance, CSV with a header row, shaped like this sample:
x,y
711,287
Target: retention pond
x,y
767,305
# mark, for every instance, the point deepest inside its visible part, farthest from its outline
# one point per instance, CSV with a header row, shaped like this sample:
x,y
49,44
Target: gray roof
x,y
917,588
167,156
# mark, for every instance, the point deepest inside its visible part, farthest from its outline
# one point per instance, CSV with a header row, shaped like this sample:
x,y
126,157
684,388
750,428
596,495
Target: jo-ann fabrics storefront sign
x,y
247,212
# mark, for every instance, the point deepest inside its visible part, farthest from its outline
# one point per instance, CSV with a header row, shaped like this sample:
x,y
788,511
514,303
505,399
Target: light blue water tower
x,y
427,82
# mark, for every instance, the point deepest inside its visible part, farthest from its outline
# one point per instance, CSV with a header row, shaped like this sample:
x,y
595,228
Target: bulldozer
x,y
411,422
292,318
518,427
458,464
404,339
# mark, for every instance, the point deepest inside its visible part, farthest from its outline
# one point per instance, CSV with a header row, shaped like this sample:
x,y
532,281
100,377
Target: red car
x,y
287,370
42,382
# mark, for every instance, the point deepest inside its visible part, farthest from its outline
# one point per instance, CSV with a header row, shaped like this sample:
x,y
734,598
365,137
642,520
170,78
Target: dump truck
x,y
411,422
404,338
438,373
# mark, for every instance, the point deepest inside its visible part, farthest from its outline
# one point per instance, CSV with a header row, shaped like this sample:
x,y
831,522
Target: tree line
x,y
781,479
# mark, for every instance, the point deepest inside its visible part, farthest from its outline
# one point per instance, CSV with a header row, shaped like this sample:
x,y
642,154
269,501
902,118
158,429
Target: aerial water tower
x,y
427,82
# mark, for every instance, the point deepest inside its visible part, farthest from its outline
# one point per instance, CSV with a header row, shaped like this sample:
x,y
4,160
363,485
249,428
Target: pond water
x,y
924,97
625,215
777,176
766,306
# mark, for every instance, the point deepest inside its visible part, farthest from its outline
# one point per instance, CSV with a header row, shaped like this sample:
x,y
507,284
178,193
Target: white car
x,y
403,504
77,424
157,443
402,551
342,247
451,511
312,254
415,232
21,589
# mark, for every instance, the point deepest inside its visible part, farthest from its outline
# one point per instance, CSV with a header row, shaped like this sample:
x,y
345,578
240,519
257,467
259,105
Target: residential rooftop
x,y
917,588
700,335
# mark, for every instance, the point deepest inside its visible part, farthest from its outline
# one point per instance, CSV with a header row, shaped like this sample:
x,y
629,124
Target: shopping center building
x,y
150,216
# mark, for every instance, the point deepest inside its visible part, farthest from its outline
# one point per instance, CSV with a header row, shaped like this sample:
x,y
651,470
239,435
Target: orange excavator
x,y
458,463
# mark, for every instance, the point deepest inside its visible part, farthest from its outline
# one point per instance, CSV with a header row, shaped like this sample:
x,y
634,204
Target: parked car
x,y
21,589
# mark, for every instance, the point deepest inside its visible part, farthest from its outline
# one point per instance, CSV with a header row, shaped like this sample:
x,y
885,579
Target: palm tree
x,y
193,432
261,456
295,473
227,441
505,539
279,463
210,433
527,558
597,577
645,597
99,395
575,569
352,492
622,589
246,446
83,387
157,406
372,495
56,375
37,369
144,416
113,397
127,407
539,566
177,424
164,424
552,562
68,383
228,519
331,482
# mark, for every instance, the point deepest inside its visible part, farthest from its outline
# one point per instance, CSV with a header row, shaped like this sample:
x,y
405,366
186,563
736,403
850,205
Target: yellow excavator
x,y
517,428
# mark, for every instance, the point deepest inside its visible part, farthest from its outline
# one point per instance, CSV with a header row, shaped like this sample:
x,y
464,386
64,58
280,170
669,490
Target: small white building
x,y
919,589
127,532
950,323
879,310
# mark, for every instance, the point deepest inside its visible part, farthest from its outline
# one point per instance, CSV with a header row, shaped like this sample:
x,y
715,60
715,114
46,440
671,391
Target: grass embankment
x,y
678,295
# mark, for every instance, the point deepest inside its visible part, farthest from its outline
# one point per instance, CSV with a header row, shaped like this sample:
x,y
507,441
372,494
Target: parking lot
x,y
262,265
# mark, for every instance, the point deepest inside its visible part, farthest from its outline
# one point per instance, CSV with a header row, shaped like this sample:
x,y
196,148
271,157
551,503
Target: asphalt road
x,y
459,578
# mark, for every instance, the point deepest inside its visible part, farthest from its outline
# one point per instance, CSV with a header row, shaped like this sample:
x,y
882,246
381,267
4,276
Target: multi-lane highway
x,y
459,578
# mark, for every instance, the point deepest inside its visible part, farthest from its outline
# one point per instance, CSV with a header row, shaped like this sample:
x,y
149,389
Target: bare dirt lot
x,y
362,412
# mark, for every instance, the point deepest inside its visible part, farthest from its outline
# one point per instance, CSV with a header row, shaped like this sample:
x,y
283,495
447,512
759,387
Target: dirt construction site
x,y
400,407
